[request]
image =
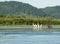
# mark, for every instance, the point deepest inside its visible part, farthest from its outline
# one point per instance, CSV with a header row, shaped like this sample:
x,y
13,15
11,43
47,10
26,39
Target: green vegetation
x,y
18,13
23,20
19,8
52,11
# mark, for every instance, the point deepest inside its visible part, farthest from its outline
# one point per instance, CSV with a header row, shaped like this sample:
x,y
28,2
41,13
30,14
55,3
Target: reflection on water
x,y
29,29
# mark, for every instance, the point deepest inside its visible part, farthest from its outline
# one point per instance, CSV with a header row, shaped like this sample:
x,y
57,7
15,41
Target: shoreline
x,y
23,25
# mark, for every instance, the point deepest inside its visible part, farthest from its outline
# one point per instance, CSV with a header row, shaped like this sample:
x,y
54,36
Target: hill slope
x,y
14,8
19,8
52,11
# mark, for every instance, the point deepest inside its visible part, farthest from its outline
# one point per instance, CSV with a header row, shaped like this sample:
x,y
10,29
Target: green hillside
x,y
13,8
19,8
18,13
52,11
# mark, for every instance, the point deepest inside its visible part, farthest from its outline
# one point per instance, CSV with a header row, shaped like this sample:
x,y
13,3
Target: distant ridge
x,y
19,8
52,11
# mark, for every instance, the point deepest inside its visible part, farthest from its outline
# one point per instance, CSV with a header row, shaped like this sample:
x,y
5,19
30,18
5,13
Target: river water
x,y
26,35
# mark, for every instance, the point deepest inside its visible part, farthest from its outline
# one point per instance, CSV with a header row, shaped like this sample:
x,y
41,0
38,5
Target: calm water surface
x,y
26,35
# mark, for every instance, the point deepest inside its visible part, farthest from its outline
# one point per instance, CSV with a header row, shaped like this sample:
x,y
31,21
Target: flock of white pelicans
x,y
37,27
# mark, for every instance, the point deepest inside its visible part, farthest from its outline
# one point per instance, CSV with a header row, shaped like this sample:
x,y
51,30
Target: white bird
x,y
34,26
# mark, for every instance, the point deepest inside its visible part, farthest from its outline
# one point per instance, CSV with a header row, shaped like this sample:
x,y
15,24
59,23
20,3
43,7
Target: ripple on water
x,y
29,39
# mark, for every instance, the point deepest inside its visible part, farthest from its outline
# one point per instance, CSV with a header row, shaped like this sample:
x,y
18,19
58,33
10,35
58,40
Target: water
x,y
27,35
28,29
30,38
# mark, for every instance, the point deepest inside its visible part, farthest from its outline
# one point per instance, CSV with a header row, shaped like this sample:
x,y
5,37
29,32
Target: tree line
x,y
27,20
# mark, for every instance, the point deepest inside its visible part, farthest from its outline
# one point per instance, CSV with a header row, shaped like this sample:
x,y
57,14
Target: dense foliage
x,y
19,8
23,20
52,11
18,13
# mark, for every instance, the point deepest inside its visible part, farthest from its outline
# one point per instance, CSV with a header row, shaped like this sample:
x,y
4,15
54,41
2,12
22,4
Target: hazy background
x,y
39,3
